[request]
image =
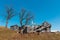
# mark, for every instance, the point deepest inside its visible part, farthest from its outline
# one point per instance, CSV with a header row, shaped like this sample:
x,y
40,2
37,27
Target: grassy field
x,y
7,34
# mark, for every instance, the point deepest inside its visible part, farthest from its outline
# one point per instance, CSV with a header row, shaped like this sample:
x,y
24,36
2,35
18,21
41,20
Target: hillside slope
x,y
6,34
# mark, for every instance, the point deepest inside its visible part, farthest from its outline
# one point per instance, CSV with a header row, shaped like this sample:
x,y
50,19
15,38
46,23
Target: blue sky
x,y
43,10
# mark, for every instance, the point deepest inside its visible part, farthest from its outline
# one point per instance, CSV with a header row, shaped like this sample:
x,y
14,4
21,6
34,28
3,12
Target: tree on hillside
x,y
9,14
25,17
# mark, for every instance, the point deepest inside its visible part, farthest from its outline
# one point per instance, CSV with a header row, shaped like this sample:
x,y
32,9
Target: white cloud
x,y
54,30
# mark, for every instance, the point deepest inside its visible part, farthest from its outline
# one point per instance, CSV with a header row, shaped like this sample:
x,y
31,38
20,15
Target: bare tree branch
x,y
25,16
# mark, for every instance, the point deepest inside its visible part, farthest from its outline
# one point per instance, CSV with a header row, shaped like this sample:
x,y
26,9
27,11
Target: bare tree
x,y
25,17
9,14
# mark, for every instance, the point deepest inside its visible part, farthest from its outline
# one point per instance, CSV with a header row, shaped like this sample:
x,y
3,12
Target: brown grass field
x,y
7,34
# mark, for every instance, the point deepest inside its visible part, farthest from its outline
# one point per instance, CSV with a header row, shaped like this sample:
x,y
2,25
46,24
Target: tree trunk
x,y
6,23
21,23
26,22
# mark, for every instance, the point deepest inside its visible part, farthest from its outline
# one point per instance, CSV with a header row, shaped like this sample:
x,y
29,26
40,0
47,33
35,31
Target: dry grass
x,y
6,34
